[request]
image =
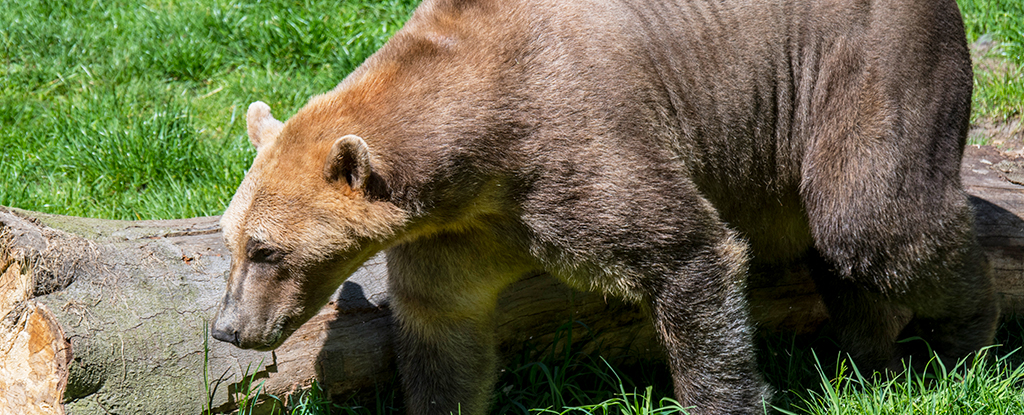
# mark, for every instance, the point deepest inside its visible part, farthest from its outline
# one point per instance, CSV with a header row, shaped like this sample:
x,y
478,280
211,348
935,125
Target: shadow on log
x,y
110,317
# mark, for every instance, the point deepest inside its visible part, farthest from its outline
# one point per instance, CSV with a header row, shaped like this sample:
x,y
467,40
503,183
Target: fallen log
x,y
110,317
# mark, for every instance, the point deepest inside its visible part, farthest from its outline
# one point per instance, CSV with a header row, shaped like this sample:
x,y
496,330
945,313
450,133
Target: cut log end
x,y
34,357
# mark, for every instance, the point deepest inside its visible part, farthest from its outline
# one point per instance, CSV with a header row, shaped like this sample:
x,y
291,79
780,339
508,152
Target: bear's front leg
x,y
446,363
444,291
701,315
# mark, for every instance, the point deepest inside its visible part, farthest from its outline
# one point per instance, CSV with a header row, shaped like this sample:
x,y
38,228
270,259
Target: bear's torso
x,y
592,123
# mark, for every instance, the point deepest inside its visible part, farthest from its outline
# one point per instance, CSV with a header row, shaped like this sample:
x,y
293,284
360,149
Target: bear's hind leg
x,y
881,189
702,318
951,307
865,325
897,256
956,318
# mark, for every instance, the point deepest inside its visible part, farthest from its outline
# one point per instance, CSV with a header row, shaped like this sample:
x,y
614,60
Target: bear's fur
x,y
652,150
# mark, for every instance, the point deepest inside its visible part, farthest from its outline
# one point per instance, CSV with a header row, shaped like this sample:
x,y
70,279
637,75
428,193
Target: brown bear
x,y
647,149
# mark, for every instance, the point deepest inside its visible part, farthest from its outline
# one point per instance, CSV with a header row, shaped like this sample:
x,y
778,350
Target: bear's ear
x,y
349,160
263,128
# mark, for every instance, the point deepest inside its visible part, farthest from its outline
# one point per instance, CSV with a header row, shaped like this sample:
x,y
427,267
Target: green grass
x,y
134,109
987,388
999,82
806,382
1003,19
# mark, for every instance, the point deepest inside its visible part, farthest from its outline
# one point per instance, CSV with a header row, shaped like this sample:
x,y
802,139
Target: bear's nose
x,y
225,333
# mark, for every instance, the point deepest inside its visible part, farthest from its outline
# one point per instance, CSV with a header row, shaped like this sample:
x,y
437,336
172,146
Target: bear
x,y
654,150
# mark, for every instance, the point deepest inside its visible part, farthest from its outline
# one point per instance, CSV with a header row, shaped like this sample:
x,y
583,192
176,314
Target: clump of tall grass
x,y
974,386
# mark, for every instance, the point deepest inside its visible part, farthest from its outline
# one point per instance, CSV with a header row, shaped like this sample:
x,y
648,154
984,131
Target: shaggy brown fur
x,y
647,149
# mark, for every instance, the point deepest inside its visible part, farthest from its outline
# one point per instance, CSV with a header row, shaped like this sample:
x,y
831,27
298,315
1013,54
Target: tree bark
x,y
110,317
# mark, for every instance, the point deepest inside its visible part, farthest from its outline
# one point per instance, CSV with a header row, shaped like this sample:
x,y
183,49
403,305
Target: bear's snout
x,y
224,327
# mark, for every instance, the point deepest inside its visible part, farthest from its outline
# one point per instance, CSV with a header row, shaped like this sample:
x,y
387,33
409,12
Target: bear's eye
x,y
259,252
262,255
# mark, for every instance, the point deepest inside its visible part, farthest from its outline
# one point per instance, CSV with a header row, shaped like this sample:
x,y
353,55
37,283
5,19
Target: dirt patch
x,y
1007,136
986,55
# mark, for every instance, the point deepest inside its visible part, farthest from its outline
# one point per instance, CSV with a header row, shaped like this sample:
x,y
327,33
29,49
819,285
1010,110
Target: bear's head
x,y
305,217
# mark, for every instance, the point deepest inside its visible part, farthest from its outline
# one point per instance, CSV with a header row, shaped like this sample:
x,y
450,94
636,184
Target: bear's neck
x,y
437,109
